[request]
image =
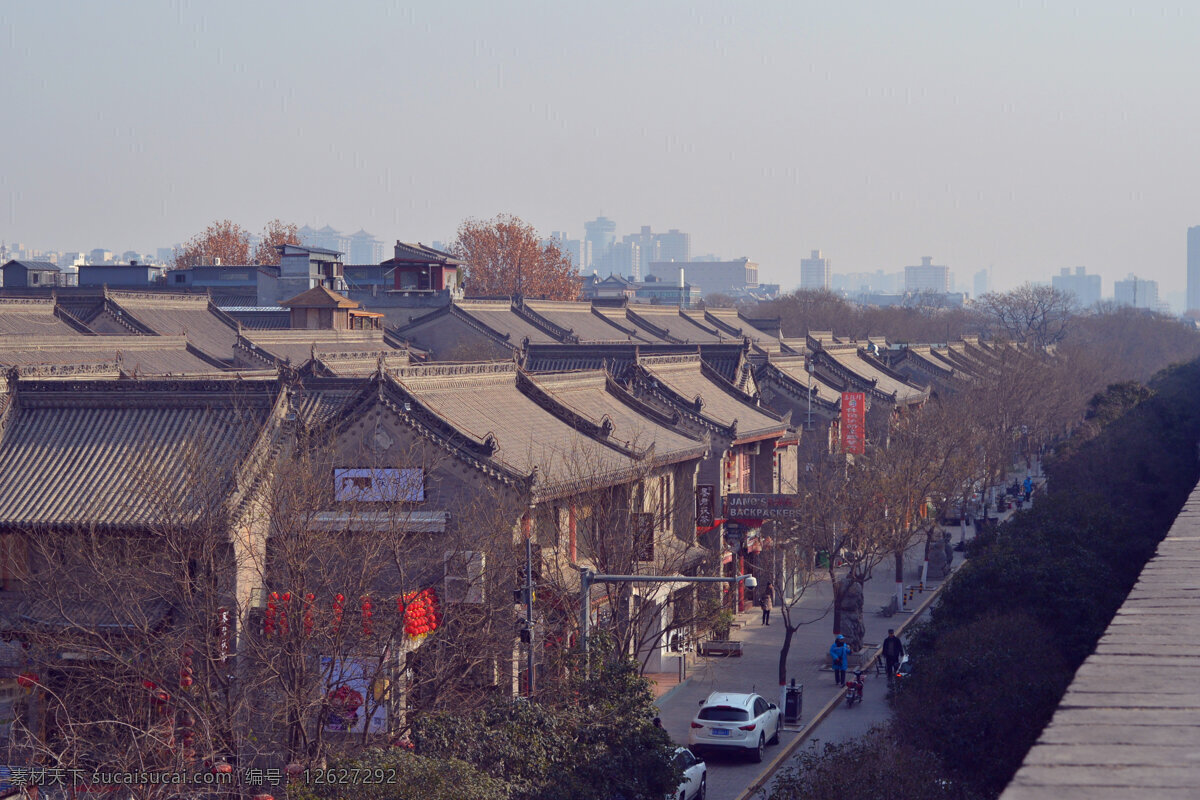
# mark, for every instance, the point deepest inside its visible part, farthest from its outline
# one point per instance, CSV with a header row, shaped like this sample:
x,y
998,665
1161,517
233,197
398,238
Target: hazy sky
x,y
1023,136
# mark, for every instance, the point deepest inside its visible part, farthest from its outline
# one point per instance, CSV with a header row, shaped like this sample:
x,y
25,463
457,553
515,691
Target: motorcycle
x,y
854,689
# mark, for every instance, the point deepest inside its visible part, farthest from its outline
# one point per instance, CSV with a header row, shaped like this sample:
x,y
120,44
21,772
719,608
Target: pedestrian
x,y
767,602
839,654
1028,488
893,651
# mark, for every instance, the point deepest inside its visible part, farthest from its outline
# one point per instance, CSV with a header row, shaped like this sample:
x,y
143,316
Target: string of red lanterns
x,y
418,611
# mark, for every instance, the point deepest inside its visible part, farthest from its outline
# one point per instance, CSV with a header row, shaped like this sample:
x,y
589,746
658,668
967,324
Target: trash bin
x,y
793,703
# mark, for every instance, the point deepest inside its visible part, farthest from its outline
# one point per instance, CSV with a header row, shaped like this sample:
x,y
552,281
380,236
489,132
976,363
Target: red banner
x,y
854,422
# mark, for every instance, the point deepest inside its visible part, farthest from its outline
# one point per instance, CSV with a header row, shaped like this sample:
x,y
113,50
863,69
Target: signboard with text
x,y
854,422
706,505
763,506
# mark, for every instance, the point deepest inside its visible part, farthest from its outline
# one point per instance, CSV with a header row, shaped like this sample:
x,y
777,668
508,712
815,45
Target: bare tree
x,y
1038,315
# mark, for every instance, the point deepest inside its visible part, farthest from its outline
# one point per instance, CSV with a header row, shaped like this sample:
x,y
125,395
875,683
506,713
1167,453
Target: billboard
x,y
355,687
379,485
854,422
763,506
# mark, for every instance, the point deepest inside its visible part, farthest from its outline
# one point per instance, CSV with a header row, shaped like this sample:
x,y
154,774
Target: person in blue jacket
x,y
839,652
1028,486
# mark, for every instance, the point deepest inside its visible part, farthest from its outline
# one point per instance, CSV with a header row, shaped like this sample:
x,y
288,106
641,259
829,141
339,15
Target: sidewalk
x,y
757,670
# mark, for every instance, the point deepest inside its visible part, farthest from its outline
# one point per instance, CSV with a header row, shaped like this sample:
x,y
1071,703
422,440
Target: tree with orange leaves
x,y
276,233
230,242
505,256
224,240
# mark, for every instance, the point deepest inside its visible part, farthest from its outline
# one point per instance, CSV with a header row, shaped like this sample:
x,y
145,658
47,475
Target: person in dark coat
x,y
893,651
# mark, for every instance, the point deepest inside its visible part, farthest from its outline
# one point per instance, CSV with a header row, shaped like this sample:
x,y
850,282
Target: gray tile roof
x,y
83,453
795,368
885,381
485,402
688,381
141,355
680,326
298,346
193,316
499,316
32,317
598,397
583,322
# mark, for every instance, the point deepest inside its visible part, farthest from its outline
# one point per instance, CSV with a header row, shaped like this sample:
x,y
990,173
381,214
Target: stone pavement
x,y
757,670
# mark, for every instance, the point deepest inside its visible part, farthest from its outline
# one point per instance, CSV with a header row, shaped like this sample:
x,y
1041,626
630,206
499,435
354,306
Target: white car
x,y
728,721
695,776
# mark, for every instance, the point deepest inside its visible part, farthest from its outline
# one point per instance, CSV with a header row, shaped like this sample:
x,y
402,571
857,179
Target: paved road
x,y
731,777
757,671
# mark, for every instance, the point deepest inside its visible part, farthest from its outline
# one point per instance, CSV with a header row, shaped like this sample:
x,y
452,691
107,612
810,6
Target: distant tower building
x,y
1086,288
673,246
928,277
1193,268
601,234
1136,292
365,248
816,273
983,283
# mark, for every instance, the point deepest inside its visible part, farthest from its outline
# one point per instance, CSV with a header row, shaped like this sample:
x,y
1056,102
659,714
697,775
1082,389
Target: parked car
x,y
695,776
740,722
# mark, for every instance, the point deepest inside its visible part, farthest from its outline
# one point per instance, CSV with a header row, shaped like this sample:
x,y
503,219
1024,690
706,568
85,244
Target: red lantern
x,y
285,600
185,668
366,616
272,610
27,680
339,603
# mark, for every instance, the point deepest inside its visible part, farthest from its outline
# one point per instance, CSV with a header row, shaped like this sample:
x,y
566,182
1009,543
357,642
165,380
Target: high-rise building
x,y
600,234
1136,292
365,248
674,245
927,277
816,273
1086,288
1193,268
983,283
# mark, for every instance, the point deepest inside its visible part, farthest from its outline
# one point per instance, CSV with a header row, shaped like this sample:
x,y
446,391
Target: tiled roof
x,y
686,378
795,368
499,316
30,317
583,322
296,346
678,325
319,297
596,396
206,327
872,371
485,402
617,316
406,252
125,453
129,355
617,357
